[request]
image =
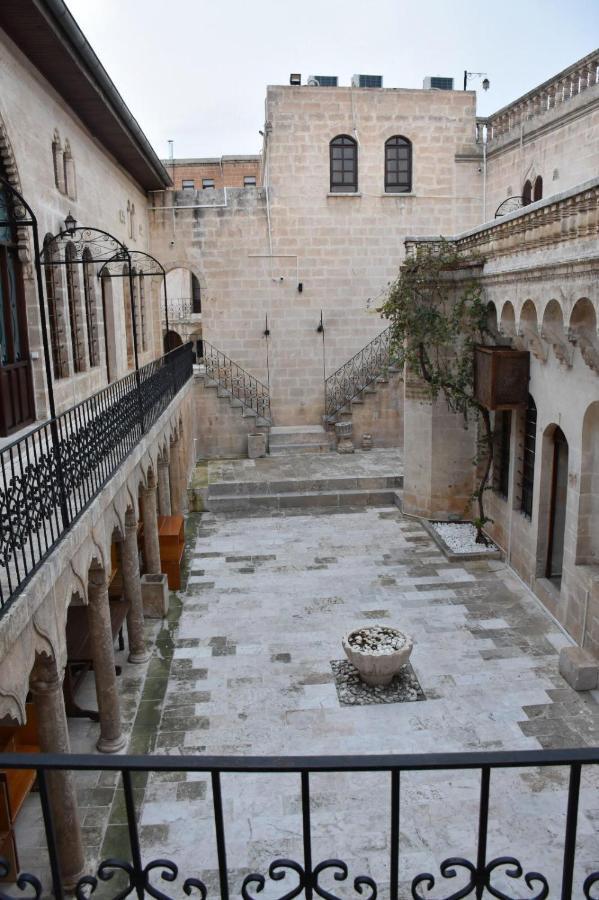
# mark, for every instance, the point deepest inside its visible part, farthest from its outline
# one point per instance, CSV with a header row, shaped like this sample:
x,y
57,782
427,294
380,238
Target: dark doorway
x,y
557,510
171,340
16,386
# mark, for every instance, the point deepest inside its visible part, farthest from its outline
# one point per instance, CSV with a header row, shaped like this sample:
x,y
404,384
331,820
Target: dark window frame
x,y
252,181
196,295
529,449
349,152
503,434
392,147
188,184
527,193
208,187
537,191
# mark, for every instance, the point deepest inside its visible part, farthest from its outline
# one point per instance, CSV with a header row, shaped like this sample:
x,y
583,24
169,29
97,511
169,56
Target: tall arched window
x,y
527,193
16,390
74,300
398,165
528,457
344,165
143,326
196,295
109,328
538,189
132,224
91,316
128,317
60,364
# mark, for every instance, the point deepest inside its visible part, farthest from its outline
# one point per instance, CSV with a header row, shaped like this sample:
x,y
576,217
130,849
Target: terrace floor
x,y
243,666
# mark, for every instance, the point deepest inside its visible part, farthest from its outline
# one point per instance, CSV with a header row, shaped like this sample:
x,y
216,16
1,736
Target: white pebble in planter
x,y
378,652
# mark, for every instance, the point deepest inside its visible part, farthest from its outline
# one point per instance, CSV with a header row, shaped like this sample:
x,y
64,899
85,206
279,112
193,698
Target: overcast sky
x,y
196,70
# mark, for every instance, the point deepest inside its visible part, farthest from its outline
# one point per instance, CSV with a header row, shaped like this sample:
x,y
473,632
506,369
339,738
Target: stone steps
x,y
343,492
289,439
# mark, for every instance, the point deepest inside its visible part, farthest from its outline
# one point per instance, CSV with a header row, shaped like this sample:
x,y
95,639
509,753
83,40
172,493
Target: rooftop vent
x,y
372,81
322,80
437,83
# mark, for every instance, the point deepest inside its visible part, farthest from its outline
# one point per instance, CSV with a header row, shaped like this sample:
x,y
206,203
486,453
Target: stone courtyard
x,y
245,663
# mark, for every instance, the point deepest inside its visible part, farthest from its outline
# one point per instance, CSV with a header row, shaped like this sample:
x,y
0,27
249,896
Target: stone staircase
x,y
224,393
290,439
234,384
326,493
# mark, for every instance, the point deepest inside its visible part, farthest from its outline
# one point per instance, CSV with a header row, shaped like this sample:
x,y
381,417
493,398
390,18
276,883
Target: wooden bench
x,y
15,784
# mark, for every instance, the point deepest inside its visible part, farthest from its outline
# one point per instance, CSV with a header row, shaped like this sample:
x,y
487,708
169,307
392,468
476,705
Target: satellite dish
x,y
313,82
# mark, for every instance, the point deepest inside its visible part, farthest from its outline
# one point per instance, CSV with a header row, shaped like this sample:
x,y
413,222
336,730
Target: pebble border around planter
x,y
351,690
492,552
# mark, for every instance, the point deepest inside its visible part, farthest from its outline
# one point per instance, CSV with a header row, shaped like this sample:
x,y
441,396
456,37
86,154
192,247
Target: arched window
x,y
132,222
196,295
142,313
398,165
109,326
128,317
74,300
528,457
58,161
538,189
60,364
344,165
70,183
91,316
526,193
501,456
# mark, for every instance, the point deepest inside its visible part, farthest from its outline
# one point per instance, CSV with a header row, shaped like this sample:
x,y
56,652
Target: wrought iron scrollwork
x,y
371,362
240,384
480,880
22,881
589,882
278,870
90,244
138,880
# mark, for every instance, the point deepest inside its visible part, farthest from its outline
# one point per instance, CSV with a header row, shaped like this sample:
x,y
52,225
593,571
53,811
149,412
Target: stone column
x,y
150,520
100,629
175,475
132,591
164,488
46,688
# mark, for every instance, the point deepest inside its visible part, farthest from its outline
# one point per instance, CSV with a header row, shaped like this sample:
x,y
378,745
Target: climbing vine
x,y
438,315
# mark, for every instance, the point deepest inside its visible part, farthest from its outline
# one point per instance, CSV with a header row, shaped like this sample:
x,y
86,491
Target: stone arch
x,y
507,321
583,318
172,339
185,288
587,536
553,331
492,320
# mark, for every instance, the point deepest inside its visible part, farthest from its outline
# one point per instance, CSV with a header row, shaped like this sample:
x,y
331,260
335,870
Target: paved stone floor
x,y
243,666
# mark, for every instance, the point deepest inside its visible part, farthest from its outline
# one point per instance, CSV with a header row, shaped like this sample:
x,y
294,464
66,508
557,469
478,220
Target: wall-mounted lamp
x,y
320,328
483,75
266,331
70,224
300,287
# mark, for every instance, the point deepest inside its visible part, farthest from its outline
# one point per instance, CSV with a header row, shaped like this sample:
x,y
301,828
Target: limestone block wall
x,y
101,195
251,256
381,415
560,144
221,431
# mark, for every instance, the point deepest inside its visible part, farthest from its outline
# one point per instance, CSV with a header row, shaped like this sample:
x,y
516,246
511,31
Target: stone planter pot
x,y
343,431
154,592
256,445
377,667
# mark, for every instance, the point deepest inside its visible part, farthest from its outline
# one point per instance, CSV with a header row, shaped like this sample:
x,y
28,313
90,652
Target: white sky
x,y
196,70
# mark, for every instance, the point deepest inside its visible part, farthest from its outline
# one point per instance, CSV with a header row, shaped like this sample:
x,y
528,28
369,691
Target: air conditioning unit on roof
x,y
367,81
437,83
322,80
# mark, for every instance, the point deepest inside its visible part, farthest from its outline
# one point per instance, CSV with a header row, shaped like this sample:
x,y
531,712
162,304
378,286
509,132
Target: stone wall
x,y
342,249
101,195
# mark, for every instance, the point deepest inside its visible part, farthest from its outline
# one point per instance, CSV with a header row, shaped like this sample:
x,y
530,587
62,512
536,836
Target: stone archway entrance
x,y
557,508
171,340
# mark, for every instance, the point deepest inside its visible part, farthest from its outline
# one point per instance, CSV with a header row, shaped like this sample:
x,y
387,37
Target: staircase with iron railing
x,y
233,382
372,364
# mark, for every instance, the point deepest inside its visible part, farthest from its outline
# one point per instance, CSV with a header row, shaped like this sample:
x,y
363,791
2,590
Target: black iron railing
x,y
50,476
506,876
371,362
240,384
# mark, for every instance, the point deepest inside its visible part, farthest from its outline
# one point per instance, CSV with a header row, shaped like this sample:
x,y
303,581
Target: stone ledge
x,y
579,668
450,554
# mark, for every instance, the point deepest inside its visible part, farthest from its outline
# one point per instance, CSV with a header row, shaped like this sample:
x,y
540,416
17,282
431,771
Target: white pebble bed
x,y
460,537
377,639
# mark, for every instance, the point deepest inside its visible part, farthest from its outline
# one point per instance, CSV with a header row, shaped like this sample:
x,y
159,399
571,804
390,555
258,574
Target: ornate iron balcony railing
x,y
240,384
50,476
507,876
181,308
371,362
